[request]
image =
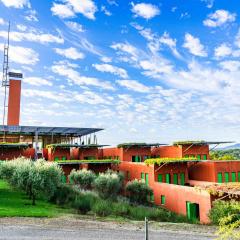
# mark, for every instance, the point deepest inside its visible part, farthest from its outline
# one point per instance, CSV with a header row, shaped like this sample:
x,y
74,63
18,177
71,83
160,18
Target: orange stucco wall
x,y
14,102
207,171
167,151
176,196
195,150
58,152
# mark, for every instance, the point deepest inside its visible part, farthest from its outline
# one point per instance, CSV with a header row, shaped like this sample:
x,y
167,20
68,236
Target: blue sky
x,y
148,71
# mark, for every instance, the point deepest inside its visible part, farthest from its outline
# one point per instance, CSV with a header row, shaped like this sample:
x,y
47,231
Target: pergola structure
x,y
47,135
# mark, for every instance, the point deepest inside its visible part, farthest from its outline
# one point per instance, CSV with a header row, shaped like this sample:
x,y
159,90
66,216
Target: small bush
x,y
121,209
138,192
102,208
108,185
84,178
82,203
223,209
64,194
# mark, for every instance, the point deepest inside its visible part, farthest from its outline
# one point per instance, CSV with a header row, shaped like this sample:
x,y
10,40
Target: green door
x,y
239,176
199,157
226,176
163,200
146,179
175,178
168,178
234,178
160,178
219,177
142,176
182,179
204,157
192,210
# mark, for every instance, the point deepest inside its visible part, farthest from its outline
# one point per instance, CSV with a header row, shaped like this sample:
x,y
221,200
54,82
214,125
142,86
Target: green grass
x,y
14,203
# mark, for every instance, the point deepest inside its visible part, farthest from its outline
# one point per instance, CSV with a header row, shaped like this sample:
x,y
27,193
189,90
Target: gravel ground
x,y
89,229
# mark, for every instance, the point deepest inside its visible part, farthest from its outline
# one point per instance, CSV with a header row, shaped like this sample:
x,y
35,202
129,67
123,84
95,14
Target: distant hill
x,y
234,146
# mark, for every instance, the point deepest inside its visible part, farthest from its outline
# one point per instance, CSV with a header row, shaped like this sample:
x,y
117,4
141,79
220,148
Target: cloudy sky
x,y
148,71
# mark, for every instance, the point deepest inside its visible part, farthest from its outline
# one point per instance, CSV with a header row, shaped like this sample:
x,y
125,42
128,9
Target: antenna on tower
x,y
5,78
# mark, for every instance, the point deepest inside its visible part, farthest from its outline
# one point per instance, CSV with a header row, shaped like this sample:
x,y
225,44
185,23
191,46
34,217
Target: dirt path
x,y
90,229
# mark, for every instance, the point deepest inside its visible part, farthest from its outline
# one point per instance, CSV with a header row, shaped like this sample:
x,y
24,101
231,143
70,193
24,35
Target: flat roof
x,y
13,145
66,145
200,142
127,145
47,131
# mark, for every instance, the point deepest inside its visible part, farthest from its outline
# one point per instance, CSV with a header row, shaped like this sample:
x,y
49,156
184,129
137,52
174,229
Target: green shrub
x,y
121,209
83,203
64,194
84,178
138,192
108,185
102,208
223,209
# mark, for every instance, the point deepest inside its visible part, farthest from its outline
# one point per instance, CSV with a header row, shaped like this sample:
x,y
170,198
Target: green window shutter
x,y
56,159
182,179
204,157
188,210
199,157
163,200
175,178
186,156
143,176
239,176
160,178
168,178
219,177
234,179
226,177
146,178
64,158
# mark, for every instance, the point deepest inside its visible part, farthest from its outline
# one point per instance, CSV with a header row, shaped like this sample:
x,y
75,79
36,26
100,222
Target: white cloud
x,y
22,55
111,69
194,45
71,53
145,10
85,7
133,85
237,39
32,37
105,11
75,26
62,10
37,81
218,18
16,3
91,98
106,59
209,3
231,66
222,51
32,16
21,27
2,22
74,77
71,7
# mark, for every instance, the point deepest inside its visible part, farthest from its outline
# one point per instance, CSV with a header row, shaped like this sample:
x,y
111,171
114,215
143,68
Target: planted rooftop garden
x,y
159,161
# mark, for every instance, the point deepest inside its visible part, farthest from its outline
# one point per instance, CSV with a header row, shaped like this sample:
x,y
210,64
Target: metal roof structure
x,y
142,145
64,145
14,145
201,142
47,131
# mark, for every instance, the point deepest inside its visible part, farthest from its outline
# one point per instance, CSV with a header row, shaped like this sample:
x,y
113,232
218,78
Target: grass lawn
x,y
14,203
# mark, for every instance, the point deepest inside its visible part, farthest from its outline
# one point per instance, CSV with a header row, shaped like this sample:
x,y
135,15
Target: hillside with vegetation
x,y
229,154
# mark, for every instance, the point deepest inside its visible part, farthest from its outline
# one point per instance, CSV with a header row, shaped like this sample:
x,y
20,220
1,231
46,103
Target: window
x,y
56,158
160,178
89,158
234,179
186,156
226,176
163,200
182,179
204,157
146,178
175,178
199,157
168,178
64,158
146,157
136,158
219,177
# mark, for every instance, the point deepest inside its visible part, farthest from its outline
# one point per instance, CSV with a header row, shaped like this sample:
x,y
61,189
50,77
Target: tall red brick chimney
x,y
14,100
